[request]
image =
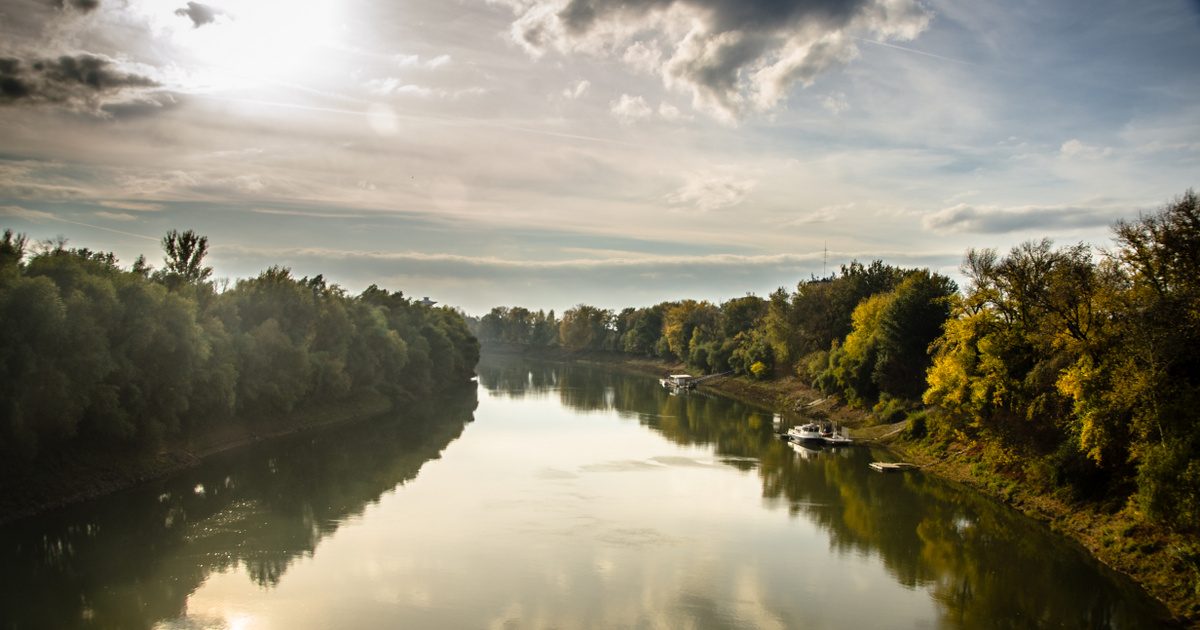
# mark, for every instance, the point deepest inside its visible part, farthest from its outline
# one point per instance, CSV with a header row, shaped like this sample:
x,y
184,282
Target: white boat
x,y
810,432
678,382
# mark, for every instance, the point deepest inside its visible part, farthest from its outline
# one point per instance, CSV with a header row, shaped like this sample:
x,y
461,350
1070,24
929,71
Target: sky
x,y
547,153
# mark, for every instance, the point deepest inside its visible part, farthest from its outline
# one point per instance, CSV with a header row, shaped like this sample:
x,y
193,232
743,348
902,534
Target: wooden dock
x,y
892,466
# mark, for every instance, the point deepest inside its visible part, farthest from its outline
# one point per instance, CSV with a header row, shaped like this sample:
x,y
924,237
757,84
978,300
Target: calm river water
x,y
552,497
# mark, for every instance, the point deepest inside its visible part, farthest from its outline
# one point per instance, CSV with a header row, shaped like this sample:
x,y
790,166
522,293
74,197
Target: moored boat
x,y
810,432
678,382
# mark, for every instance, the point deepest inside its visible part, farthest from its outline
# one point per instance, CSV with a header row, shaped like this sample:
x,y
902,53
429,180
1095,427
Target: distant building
x,y
425,301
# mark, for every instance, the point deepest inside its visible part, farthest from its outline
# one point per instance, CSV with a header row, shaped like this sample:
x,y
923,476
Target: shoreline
x,y
1148,555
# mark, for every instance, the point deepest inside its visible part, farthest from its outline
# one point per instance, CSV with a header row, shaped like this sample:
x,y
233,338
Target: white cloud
x,y
116,216
394,86
630,109
835,103
630,261
1074,148
577,89
415,61
25,214
668,111
731,56
825,214
136,206
312,214
643,57
710,191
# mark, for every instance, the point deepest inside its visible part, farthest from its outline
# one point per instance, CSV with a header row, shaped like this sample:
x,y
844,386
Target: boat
x,y
820,432
836,436
810,432
678,382
893,466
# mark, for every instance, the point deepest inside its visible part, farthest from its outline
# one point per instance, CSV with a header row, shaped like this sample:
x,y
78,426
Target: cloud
x,y
199,14
648,263
575,90
394,86
643,57
82,82
835,103
668,111
733,56
116,216
135,206
478,282
707,191
826,214
1000,220
415,61
630,109
25,214
1074,148
310,214
38,180
79,5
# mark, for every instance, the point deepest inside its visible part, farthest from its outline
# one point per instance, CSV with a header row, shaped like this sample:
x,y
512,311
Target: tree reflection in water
x,y
132,559
984,564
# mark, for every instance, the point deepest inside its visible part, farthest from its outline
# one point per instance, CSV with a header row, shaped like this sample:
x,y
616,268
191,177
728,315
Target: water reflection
x,y
982,564
133,559
582,499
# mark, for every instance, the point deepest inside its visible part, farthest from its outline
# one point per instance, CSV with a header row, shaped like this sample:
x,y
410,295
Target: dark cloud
x,y
81,82
199,14
997,220
725,15
733,55
80,5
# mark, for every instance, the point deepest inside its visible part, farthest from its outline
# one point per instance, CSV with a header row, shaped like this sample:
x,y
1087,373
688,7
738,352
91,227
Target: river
x,y
552,496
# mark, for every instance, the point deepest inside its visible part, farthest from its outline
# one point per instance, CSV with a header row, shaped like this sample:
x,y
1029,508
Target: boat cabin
x,y
678,381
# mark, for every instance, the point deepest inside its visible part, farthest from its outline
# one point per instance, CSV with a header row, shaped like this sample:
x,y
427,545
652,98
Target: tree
x,y
688,324
1149,388
584,328
12,250
184,262
643,328
910,322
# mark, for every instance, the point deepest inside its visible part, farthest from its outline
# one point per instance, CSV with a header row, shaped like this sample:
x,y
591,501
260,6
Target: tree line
x,y
96,354
1075,367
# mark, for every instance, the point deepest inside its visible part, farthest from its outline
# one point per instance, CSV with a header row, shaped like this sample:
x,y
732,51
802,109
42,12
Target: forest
x,y
113,359
1075,367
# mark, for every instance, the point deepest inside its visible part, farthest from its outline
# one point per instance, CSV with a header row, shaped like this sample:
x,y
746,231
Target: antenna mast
x,y
825,260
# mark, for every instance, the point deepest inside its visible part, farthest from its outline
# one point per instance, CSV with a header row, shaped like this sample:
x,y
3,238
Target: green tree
x,y
184,262
909,324
1141,396
584,328
688,324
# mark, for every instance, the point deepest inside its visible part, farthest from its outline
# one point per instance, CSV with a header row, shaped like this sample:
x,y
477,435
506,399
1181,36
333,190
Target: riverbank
x,y
75,475
1164,563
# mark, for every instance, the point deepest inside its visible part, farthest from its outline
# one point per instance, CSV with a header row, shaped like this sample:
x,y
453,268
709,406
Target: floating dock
x,y
892,466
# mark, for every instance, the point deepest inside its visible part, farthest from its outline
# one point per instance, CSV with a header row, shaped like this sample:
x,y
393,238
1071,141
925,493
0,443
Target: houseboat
x,y
678,382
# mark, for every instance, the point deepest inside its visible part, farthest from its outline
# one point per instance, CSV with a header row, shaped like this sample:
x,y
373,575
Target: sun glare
x,y
247,43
